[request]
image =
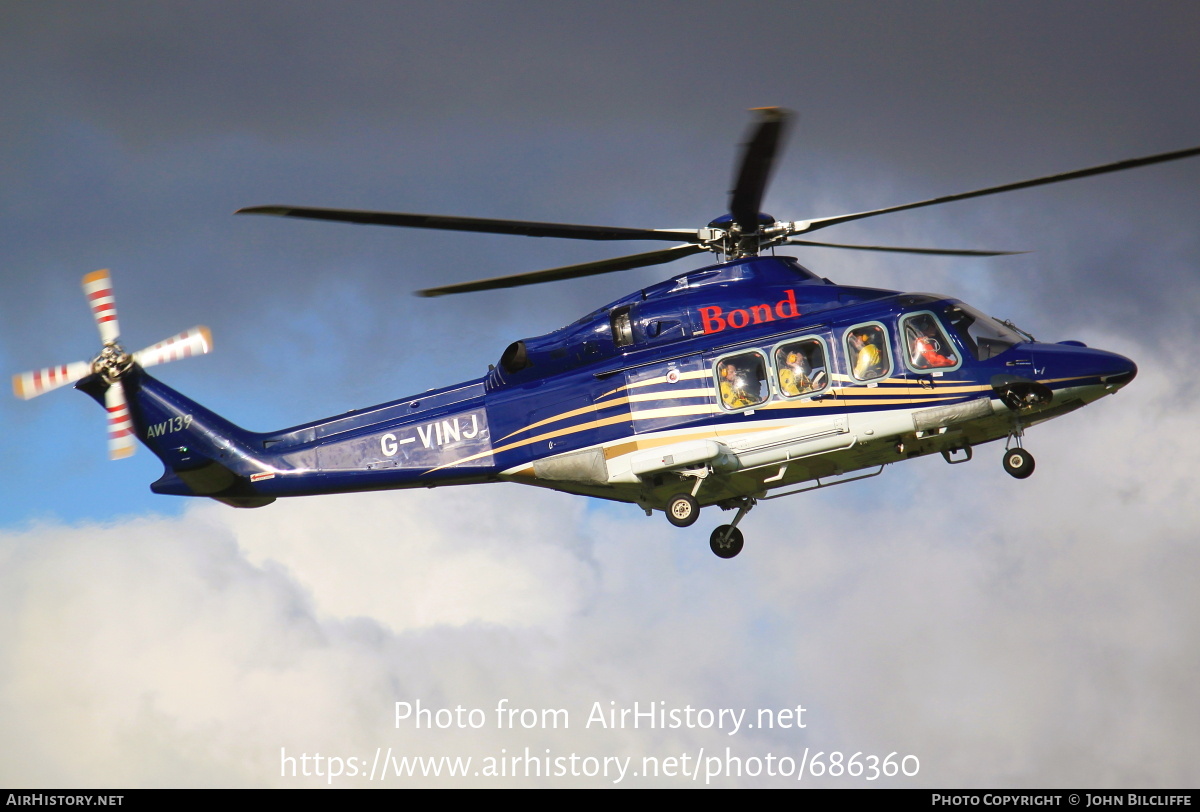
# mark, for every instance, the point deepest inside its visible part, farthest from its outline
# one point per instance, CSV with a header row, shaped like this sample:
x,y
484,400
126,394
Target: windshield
x,y
982,335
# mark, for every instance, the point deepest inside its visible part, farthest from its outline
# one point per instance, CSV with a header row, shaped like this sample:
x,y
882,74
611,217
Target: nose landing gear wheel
x,y
683,510
1018,463
726,541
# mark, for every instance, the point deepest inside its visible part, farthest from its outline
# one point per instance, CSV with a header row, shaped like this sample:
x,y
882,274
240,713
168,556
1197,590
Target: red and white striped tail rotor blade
x,y
31,384
196,341
121,439
97,287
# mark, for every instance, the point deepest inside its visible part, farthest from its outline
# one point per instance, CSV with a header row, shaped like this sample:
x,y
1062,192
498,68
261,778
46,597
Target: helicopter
x,y
742,381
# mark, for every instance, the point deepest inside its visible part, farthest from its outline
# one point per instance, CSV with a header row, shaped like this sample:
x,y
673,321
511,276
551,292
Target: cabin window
x,y
800,367
742,380
925,344
622,327
867,352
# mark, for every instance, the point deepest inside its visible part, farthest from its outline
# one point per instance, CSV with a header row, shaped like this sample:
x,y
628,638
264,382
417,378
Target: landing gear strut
x,y
726,541
1017,461
682,508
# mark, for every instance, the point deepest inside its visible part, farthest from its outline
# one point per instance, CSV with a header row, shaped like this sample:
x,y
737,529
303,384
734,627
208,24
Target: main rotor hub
x,y
730,239
725,222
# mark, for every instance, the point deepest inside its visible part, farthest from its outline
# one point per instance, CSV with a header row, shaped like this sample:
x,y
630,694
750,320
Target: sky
x,y
997,633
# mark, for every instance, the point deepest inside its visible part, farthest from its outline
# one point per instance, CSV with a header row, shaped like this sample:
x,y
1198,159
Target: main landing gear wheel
x,y
1018,462
683,510
726,541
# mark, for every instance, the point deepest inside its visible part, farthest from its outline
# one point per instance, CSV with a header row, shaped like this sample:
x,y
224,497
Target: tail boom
x,y
442,438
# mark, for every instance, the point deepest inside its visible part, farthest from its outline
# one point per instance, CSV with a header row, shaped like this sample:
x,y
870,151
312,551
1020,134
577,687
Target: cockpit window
x,y
800,367
867,351
982,335
742,380
925,343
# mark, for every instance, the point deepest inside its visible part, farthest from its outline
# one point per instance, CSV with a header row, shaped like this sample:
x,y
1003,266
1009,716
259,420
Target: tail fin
x,y
203,453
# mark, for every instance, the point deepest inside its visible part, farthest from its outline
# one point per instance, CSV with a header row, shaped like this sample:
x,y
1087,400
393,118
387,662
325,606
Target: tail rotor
x,y
121,440
97,287
112,363
196,341
31,384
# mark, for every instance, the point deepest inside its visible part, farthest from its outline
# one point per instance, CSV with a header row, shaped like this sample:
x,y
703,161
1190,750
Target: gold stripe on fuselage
x,y
683,376
894,392
646,397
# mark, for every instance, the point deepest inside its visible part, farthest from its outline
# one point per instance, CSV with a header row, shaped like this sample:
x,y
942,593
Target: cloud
x,y
1035,633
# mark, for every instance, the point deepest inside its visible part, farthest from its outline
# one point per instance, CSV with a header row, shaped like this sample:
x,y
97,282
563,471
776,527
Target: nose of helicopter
x,y
1124,370
1107,371
1114,370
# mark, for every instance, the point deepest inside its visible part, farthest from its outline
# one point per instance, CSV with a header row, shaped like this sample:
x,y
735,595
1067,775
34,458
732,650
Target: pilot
x,y
868,363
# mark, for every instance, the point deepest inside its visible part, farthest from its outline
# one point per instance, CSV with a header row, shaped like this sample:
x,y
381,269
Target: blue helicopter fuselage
x,y
728,382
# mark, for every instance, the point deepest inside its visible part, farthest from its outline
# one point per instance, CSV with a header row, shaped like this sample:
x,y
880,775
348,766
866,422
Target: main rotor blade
x,y
121,442
943,252
822,222
758,157
97,287
569,271
478,224
31,384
